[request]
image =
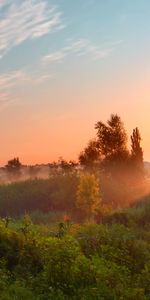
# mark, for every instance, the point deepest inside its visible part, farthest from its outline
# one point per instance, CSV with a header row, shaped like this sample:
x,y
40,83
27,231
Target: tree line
x,y
109,150
110,176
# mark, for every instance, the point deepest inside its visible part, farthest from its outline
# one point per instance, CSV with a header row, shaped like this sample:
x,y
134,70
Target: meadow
x,y
66,260
83,232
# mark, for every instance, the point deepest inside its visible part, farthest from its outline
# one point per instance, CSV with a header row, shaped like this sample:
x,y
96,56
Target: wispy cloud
x,y
77,46
11,80
80,47
7,82
15,78
57,56
29,19
4,98
7,100
34,79
4,2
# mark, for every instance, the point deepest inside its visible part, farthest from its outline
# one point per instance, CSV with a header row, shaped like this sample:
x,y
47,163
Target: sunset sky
x,y
64,65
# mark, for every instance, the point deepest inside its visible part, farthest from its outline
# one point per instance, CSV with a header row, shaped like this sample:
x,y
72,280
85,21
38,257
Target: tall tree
x,y
136,149
90,155
88,195
112,140
112,136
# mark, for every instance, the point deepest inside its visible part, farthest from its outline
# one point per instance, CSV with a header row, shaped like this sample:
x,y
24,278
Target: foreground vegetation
x,y
84,232
106,261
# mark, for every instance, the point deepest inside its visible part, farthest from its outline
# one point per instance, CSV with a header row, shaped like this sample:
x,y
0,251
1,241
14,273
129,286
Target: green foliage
x,y
13,169
136,151
65,265
17,291
40,217
112,136
108,261
57,194
108,154
92,262
88,195
91,154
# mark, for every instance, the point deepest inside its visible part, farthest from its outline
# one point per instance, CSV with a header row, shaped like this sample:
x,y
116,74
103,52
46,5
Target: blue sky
x,y
66,64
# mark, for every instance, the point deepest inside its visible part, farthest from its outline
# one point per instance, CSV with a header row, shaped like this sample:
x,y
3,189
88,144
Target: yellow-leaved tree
x,y
88,198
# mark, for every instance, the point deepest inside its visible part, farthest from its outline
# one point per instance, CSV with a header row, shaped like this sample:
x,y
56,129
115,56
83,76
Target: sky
x,y
66,64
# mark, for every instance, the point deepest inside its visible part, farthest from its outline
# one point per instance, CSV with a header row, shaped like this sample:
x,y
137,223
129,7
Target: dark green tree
x,y
112,137
90,155
13,168
112,142
13,164
136,151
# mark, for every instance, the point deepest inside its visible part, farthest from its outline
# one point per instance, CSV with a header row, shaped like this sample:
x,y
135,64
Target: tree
x,y
112,136
65,166
136,149
13,164
88,195
137,163
90,155
112,140
13,167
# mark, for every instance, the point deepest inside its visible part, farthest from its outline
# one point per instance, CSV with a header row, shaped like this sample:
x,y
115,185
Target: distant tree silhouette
x,y
112,141
64,165
13,167
109,152
90,155
73,163
112,137
136,150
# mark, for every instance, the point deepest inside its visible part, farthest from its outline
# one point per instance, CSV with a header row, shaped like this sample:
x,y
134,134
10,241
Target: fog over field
x,y
74,150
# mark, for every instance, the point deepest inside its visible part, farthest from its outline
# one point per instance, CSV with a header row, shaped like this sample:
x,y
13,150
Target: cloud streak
x,y
9,81
4,2
57,56
26,20
15,78
80,47
7,100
